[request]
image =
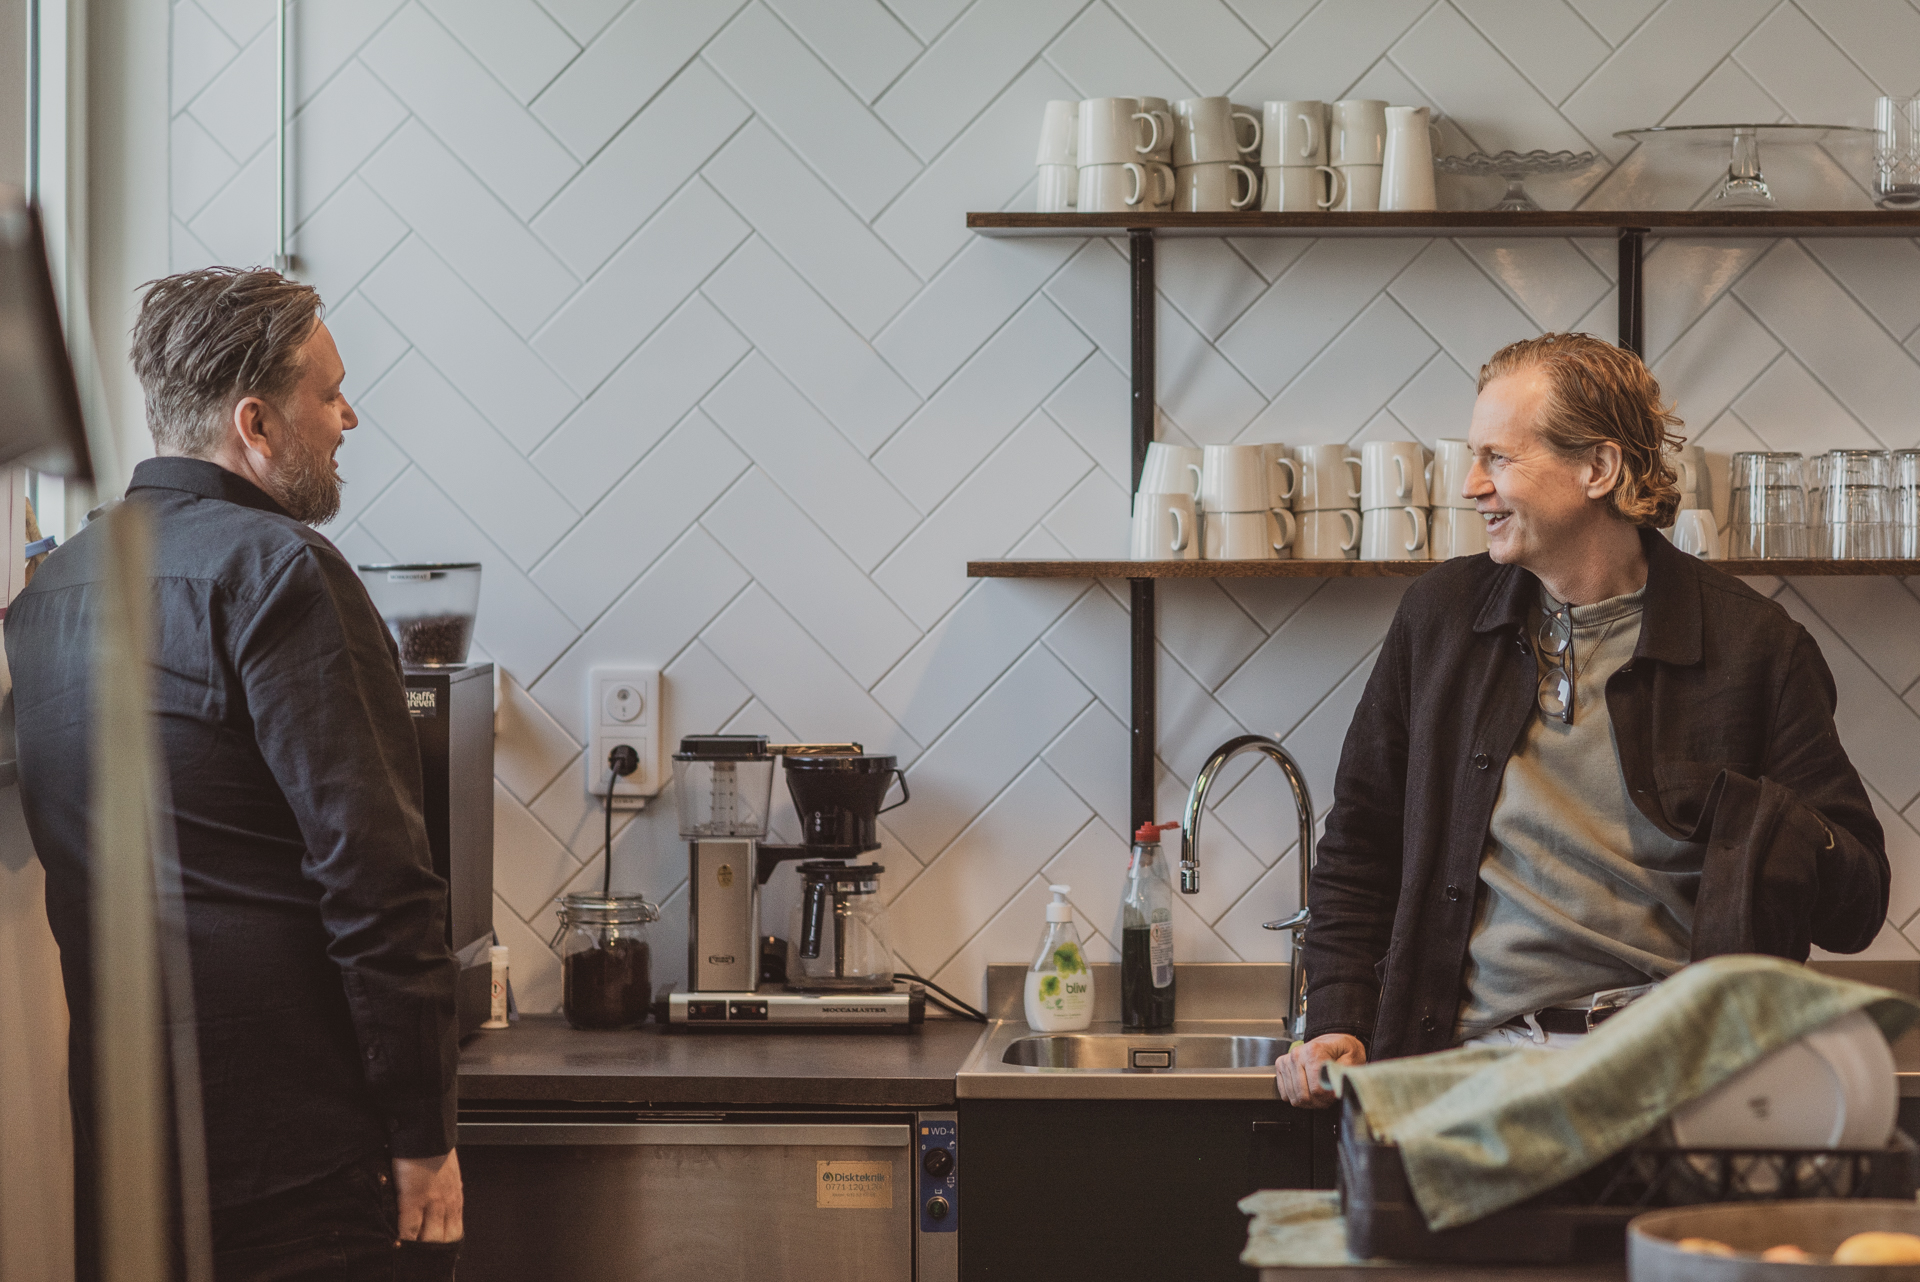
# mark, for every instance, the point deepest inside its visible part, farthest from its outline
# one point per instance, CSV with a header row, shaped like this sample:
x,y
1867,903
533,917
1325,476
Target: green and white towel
x,y
1483,1128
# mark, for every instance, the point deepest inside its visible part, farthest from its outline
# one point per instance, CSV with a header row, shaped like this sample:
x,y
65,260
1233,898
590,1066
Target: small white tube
x,y
497,1012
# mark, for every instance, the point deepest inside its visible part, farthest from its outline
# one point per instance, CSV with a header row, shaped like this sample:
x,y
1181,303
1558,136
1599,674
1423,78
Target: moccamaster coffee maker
x,y
840,967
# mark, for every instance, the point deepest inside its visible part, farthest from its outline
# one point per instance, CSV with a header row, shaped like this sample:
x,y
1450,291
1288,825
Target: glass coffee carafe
x,y
837,938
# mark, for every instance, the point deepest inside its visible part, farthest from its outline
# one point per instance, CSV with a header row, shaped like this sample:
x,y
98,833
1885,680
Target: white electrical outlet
x,y
623,706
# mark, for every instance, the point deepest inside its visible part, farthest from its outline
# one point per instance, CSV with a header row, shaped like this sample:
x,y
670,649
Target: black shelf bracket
x,y
1143,727
1632,291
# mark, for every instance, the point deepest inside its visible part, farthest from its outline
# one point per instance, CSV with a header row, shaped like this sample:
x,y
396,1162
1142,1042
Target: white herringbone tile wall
x,y
665,310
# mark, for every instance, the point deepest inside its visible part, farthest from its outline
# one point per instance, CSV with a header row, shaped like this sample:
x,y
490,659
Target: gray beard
x,y
305,484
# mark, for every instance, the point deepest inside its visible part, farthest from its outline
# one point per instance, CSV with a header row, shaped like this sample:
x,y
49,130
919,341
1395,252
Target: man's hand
x,y
430,1198
1298,1071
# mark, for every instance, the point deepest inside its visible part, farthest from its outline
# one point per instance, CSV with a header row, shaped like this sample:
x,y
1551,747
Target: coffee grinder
x,y
723,785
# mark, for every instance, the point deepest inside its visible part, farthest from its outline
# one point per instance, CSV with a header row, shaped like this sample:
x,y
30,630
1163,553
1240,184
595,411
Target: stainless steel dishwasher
x,y
682,1196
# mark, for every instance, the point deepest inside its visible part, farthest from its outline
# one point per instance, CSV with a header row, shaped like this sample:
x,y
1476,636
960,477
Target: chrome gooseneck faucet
x,y
1303,805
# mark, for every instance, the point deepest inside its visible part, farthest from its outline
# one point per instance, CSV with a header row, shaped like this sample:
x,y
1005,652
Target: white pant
x,y
1525,1037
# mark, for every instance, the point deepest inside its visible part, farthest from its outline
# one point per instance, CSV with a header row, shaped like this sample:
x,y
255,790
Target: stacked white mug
x,y
1244,495
1162,153
1393,501
1357,145
1166,507
1456,528
1209,159
1326,503
1293,156
1695,529
1058,160
1114,146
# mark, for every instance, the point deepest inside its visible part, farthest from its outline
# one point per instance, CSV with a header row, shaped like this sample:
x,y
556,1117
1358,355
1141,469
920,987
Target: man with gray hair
x,y
322,981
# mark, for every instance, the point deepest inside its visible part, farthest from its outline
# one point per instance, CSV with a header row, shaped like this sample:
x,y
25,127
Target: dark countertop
x,y
1615,1272
540,1058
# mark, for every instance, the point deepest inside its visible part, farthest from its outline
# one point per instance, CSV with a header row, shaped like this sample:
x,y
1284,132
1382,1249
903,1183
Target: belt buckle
x,y
1607,1003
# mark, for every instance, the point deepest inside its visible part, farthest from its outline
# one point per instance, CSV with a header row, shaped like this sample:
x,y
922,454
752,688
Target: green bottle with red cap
x,y
1146,935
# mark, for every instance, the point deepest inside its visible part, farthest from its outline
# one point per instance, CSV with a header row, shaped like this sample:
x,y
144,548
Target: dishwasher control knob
x,y
938,1162
937,1208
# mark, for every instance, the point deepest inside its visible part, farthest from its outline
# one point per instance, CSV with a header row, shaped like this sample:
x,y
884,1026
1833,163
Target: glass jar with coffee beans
x,y
607,963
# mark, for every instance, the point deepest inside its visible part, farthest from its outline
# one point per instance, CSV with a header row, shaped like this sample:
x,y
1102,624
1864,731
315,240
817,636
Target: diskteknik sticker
x,y
863,1186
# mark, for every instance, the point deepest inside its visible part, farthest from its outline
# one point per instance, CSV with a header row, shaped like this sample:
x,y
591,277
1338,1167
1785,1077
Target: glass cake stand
x,y
1516,167
1745,186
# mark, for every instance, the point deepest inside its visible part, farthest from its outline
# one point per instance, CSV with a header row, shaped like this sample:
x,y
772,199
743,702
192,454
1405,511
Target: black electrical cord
x,y
621,762
953,1005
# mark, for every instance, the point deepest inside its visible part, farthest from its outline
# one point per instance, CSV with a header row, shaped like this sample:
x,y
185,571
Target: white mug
x,y
1214,188
1234,478
1114,131
1327,536
1059,125
1296,189
1394,534
1162,114
1694,532
1171,469
1247,536
1293,133
1393,473
1283,475
1165,528
1457,531
1357,132
1329,478
1205,132
1688,472
1406,174
1059,189
1115,189
1359,188
1695,478
1452,461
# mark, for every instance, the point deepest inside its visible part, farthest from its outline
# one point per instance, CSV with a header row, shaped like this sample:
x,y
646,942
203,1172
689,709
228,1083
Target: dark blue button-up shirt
x,y
322,983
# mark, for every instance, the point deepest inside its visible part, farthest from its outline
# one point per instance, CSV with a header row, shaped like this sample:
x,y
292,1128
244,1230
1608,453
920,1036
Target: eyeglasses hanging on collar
x,y
1555,643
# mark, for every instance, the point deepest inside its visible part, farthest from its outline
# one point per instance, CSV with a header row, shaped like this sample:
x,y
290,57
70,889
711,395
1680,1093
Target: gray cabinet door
x,y
671,1202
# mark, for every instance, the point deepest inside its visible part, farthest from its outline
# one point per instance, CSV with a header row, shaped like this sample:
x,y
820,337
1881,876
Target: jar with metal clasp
x,y
607,962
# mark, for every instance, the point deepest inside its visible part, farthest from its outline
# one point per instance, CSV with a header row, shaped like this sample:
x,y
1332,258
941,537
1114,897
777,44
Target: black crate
x,y
1585,1218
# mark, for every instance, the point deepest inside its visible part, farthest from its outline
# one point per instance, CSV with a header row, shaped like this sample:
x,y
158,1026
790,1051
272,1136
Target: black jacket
x,y
322,982
1723,720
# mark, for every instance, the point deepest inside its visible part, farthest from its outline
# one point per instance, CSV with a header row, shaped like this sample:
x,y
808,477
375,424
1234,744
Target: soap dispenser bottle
x,y
1059,983
1146,935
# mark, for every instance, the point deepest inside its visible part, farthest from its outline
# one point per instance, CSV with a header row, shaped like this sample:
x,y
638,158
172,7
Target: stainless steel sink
x,y
1232,1027
1144,1052
1196,1059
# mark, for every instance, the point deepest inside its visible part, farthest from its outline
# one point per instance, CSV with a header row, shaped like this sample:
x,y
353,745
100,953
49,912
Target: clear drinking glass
x,y
1904,469
1896,153
1769,507
1852,504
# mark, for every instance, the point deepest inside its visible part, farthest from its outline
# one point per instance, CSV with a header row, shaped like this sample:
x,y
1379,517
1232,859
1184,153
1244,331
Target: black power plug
x,y
621,762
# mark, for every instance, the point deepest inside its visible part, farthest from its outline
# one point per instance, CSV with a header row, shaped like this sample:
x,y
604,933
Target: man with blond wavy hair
x,y
1583,759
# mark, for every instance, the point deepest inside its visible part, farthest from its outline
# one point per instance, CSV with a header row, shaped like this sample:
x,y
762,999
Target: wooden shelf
x,y
1036,569
1466,222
